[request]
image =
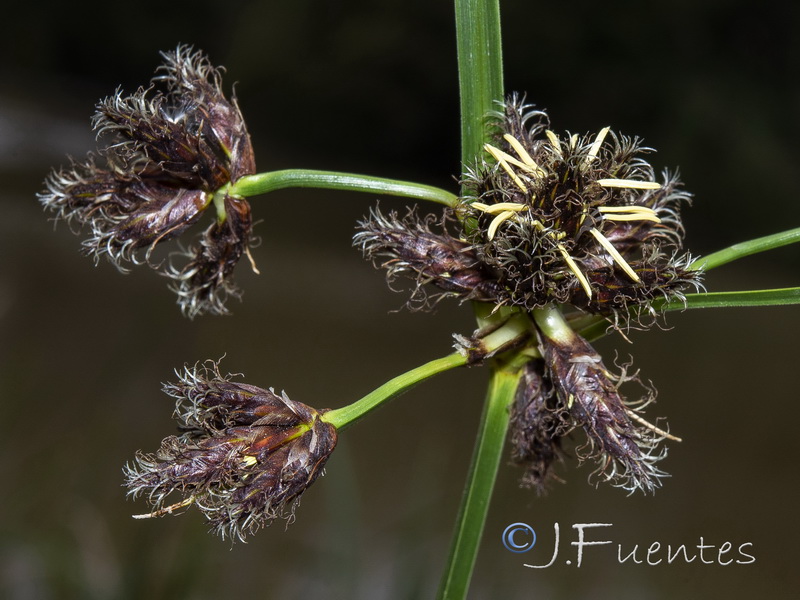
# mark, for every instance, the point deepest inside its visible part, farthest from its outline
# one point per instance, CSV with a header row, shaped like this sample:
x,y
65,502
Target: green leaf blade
x,y
762,244
776,297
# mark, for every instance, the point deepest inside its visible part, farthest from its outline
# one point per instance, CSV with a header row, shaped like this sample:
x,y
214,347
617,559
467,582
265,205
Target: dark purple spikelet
x,y
169,148
205,283
244,459
659,277
410,248
537,426
188,133
124,212
625,448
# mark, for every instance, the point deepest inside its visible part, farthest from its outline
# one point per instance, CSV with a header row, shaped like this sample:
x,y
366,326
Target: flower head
x,y
573,219
244,459
550,220
171,151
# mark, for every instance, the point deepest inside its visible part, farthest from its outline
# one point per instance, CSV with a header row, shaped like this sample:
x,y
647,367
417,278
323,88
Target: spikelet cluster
x,y
579,220
245,456
170,150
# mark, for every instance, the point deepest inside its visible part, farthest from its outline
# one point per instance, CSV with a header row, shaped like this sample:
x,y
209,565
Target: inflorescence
x,y
552,221
245,456
578,220
170,154
547,222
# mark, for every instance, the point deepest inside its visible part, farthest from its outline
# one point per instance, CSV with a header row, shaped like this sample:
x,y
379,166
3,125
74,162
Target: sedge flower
x,y
244,458
171,150
567,219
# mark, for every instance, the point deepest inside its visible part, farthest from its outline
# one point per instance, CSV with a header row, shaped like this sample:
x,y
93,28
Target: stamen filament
x,y
252,260
615,254
652,427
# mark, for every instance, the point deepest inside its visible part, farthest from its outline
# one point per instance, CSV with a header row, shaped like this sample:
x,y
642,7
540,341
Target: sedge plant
x,y
555,239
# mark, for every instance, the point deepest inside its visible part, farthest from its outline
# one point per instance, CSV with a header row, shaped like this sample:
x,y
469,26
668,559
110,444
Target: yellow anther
x,y
626,209
524,156
497,221
556,235
498,154
634,217
503,211
554,141
504,160
605,243
629,213
249,461
525,162
573,141
598,141
494,209
576,270
630,184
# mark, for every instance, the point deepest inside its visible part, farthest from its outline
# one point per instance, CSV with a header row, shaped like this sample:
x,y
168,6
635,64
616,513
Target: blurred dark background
x,y
371,87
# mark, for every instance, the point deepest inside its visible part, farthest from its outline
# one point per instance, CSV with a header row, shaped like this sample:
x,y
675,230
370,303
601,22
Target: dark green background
x,y
371,87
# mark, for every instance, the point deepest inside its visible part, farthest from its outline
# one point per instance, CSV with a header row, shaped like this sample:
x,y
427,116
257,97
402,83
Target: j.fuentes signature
x,y
521,537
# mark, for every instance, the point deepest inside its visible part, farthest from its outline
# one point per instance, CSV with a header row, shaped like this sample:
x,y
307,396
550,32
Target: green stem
x,y
511,330
262,183
480,483
347,415
480,71
747,248
480,80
